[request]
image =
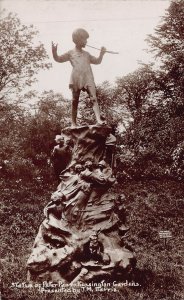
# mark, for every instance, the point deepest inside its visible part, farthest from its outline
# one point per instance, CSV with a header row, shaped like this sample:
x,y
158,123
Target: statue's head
x,y
78,168
80,36
88,164
59,139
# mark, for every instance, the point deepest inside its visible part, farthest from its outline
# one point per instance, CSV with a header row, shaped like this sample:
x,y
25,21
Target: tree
x,y
13,161
27,134
135,89
168,45
154,95
49,117
20,57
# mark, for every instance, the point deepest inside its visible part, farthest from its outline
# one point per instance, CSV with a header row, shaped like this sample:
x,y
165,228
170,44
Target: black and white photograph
x,y
92,149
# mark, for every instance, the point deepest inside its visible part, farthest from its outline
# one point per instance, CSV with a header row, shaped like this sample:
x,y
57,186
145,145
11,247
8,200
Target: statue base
x,y
82,236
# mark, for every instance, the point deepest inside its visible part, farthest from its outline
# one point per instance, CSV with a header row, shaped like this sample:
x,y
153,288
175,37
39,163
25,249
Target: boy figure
x,y
61,155
82,76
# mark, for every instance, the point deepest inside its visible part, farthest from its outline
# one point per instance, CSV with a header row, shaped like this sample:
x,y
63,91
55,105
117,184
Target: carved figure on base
x,y
61,155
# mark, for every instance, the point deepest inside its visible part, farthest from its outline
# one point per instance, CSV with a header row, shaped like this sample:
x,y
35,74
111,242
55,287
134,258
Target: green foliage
x,y
20,57
27,138
151,142
108,103
50,116
154,96
135,89
168,45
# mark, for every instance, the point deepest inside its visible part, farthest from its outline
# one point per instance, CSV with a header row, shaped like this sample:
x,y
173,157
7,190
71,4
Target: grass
x,y
151,206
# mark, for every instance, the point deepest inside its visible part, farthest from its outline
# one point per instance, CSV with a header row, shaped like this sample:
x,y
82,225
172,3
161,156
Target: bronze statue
x,y
82,77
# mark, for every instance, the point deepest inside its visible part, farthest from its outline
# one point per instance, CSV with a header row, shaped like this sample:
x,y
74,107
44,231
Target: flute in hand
x,y
107,51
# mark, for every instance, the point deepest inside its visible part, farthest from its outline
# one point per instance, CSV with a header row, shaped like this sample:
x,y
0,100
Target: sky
x,y
118,25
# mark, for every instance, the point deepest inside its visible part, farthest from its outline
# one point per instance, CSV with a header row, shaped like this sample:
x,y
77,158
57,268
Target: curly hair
x,y
78,34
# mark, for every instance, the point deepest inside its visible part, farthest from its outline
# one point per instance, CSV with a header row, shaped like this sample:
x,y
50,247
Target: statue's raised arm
x,y
59,58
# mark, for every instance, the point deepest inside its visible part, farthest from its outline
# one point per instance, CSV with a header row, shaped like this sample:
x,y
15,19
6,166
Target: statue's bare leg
x,y
96,109
75,102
